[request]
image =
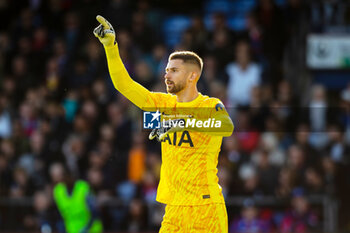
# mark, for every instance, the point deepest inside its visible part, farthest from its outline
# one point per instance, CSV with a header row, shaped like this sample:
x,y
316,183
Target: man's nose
x,y
166,76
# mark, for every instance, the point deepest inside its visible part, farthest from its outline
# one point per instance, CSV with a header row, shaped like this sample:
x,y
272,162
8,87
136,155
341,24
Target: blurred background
x,y
281,67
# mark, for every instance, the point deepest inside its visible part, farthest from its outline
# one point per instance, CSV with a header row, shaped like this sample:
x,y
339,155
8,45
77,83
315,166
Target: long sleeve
x,y
226,128
132,90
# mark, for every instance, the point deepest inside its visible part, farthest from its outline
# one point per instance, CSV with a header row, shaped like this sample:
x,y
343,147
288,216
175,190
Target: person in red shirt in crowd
x,y
300,219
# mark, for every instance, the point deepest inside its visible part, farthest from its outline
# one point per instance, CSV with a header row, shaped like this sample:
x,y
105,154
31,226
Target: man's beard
x,y
175,88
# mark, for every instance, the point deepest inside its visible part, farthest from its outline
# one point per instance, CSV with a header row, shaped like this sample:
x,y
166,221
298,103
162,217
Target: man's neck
x,y
244,65
187,95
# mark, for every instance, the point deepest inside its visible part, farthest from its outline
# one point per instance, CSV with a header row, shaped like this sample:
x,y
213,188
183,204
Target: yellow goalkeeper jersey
x,y
189,158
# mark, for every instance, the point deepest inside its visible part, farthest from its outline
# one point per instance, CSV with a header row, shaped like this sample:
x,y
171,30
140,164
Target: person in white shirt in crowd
x,y
318,108
5,119
243,76
318,111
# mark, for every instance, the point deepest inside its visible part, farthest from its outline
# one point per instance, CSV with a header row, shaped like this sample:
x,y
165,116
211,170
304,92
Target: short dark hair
x,y
187,57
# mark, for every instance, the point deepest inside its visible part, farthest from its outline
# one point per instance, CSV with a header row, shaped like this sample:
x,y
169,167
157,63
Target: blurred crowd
x,y
59,110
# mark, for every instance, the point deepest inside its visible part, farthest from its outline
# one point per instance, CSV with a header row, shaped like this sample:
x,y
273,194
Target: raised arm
x,y
121,80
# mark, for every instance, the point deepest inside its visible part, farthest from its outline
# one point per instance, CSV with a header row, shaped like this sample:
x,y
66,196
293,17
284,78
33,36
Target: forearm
x,y
121,79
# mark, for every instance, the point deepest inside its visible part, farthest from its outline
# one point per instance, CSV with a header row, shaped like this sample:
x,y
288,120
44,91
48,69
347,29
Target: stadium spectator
x,y
250,221
136,219
220,41
253,34
313,181
244,75
76,204
141,33
302,139
199,34
286,182
267,172
43,216
22,185
270,18
300,218
5,119
247,136
336,147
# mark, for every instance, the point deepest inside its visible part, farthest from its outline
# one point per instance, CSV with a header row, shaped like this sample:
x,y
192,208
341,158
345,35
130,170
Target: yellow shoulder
x,y
161,99
211,102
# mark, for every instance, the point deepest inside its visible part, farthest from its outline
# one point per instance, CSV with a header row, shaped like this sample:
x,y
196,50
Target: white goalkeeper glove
x,y
169,126
105,32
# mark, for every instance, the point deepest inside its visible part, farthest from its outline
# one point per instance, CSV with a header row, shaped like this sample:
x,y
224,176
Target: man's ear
x,y
193,76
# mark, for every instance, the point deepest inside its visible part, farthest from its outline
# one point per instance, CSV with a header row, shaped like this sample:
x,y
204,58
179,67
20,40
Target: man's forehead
x,y
174,63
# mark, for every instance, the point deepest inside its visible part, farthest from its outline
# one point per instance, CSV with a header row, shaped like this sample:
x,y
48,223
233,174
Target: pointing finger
x,y
103,21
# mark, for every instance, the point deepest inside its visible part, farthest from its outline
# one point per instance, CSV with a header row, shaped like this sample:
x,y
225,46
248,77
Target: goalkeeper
x,y
188,180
